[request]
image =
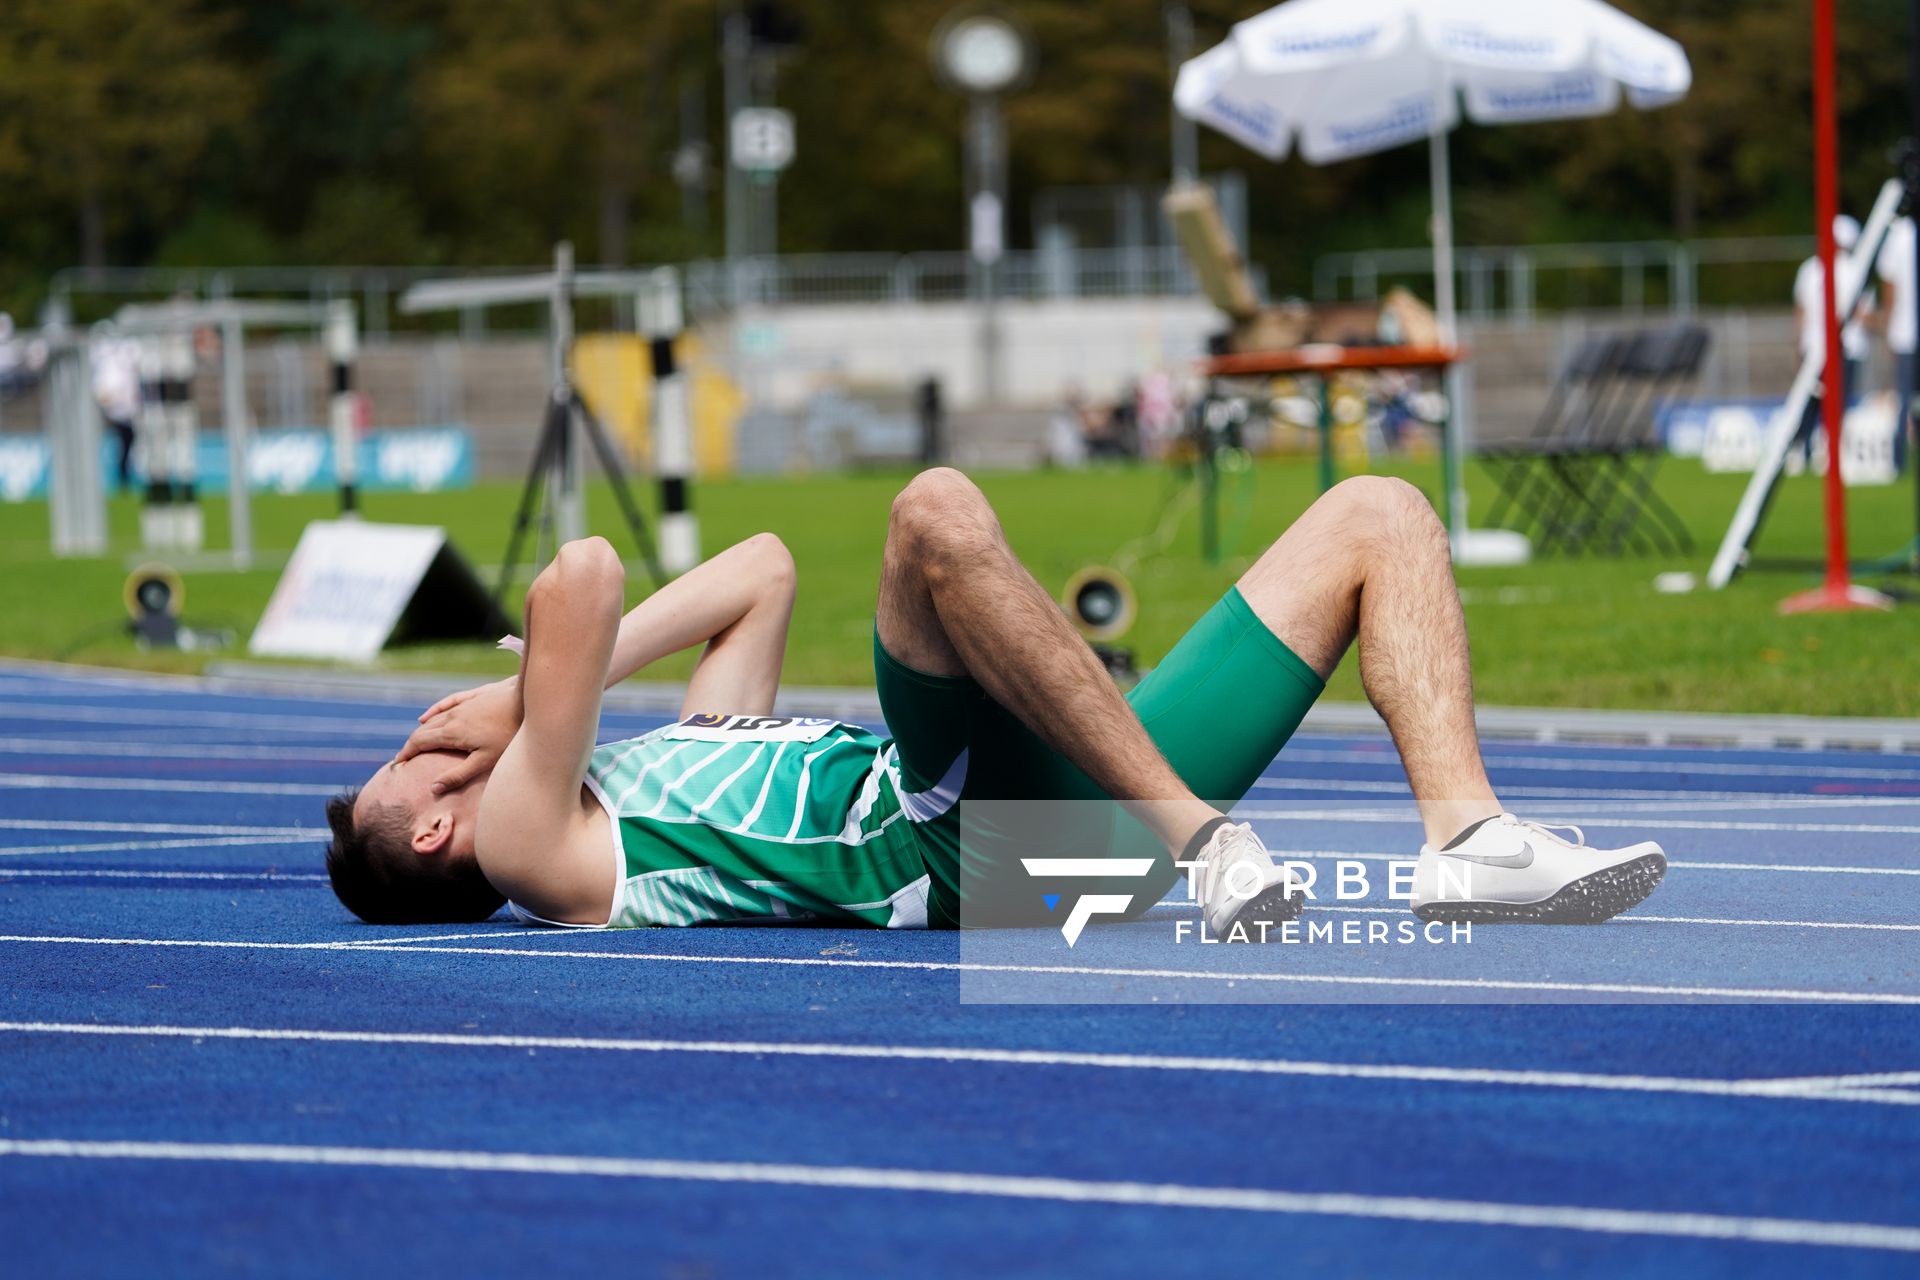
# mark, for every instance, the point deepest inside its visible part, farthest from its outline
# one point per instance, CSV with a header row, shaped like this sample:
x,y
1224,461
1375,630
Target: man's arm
x,y
534,840
737,604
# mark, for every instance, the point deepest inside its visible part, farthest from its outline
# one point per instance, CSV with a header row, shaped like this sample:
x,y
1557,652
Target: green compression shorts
x,y
1219,706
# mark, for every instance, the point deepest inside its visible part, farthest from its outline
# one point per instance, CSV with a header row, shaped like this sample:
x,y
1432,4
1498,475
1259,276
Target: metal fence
x,y
825,279
84,294
1494,281
1511,282
714,287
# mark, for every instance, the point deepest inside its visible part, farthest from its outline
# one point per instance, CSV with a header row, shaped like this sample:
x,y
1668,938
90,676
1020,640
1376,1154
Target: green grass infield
x,y
1572,632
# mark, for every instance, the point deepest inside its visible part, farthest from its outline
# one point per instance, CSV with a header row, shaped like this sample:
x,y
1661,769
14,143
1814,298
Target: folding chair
x,y
1583,493
1584,481
1629,453
1533,489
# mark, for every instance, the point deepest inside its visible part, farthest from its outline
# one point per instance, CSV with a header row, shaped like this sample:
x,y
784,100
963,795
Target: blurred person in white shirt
x,y
116,389
1896,270
1809,306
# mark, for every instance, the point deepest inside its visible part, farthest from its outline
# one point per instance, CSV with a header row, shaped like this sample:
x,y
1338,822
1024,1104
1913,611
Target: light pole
x,y
736,44
982,53
759,135
1186,130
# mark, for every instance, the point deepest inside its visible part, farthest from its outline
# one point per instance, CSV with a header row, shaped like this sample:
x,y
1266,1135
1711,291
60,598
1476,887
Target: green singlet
x,y
741,818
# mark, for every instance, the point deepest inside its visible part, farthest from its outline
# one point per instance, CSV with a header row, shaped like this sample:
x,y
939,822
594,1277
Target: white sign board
x,y
762,138
1866,444
345,589
1733,440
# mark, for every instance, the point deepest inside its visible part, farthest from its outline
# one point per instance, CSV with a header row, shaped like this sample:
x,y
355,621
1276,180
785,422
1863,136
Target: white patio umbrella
x,y
1343,78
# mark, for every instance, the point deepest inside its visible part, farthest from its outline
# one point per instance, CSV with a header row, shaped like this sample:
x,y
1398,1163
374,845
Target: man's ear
x,y
433,835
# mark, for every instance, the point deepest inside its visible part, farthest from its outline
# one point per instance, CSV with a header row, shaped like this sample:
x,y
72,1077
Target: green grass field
x,y
1577,633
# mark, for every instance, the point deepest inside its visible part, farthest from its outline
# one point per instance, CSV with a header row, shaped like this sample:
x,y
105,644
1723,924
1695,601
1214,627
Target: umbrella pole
x,y
1442,231
1455,511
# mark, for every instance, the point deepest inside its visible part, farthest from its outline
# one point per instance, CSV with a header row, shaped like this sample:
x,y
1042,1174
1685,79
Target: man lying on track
x,y
734,815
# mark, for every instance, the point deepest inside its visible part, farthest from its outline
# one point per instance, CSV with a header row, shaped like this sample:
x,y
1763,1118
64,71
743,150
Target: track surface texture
x,y
207,1066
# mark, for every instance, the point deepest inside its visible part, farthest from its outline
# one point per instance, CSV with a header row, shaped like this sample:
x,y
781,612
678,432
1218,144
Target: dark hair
x,y
377,877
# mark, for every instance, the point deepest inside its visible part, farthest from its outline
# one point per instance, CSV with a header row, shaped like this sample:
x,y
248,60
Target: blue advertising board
x,y
1683,425
294,460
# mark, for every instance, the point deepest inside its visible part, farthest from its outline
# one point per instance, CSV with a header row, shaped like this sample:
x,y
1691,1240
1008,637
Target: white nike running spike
x,y
1241,892
1510,871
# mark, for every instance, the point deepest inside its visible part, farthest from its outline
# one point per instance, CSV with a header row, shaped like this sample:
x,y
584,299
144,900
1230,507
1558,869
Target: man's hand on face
x,y
480,722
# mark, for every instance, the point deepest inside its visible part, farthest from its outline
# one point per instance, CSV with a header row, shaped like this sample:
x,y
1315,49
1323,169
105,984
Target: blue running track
x,y
207,1066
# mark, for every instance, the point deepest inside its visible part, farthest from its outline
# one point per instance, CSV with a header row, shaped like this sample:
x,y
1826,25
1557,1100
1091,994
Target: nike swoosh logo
x,y
1513,861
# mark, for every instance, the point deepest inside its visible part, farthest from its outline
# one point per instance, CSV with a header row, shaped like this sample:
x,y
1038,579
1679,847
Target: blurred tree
x,y
1705,153
332,146
534,104
877,164
222,132
107,105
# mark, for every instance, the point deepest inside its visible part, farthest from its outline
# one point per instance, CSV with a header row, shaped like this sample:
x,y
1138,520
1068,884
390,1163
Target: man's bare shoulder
x,y
555,859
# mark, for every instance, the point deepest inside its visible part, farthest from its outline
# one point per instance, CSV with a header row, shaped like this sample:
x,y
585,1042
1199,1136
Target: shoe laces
x,y
1547,829
1233,843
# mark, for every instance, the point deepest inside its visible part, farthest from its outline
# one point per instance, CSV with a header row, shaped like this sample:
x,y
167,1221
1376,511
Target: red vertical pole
x,y
1826,197
1837,592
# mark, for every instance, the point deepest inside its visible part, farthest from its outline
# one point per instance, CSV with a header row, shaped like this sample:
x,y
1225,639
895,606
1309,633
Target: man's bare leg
x,y
954,600
1370,559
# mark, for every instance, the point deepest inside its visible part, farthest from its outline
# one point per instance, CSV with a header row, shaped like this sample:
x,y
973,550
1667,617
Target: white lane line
x,y
125,846
954,966
1369,811
1479,1213
1662,768
43,671
1603,820
1321,855
399,726
76,782
11,873
29,675
192,750
1825,800
155,828
401,723
1630,917
1869,1080
89,686
1794,868
497,935
1697,824
1797,1089
219,944
1555,793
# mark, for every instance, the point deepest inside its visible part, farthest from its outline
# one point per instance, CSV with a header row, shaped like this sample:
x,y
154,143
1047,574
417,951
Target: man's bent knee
x,y
939,514
937,491
1383,502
